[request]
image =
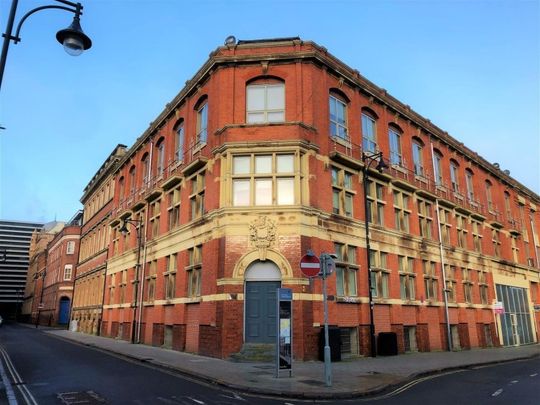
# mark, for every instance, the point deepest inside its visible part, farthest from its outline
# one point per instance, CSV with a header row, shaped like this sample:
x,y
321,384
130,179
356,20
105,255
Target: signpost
x,y
284,347
498,307
313,266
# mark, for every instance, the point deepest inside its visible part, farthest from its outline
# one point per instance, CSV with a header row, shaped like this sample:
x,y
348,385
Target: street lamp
x,y
74,40
368,160
136,223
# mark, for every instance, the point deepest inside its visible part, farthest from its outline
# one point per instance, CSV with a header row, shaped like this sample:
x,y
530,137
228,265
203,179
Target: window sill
x,y
194,300
148,304
383,301
348,300
168,302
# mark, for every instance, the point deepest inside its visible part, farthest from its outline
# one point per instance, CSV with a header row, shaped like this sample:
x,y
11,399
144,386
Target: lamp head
x,y
381,165
123,228
74,40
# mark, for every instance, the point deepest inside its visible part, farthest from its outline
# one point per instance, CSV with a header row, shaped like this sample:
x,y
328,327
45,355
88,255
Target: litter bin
x,y
334,341
387,344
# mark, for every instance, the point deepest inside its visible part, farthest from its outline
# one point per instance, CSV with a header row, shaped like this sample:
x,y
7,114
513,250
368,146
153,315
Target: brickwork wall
x,y
158,334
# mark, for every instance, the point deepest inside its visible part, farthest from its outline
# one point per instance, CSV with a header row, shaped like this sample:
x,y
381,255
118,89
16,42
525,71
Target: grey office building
x,y
14,255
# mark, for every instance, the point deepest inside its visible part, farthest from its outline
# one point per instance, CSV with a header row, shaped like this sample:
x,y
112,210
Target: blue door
x,y
261,306
63,314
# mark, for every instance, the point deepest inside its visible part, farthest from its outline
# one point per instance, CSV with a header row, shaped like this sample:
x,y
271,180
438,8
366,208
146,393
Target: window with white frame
x,y
346,269
202,124
483,287
489,197
379,274
369,133
151,281
437,163
123,286
264,179
514,246
394,137
342,192
496,242
376,202
68,270
338,118
180,141
454,176
155,212
160,162
265,102
418,159
70,247
469,184
132,180
407,277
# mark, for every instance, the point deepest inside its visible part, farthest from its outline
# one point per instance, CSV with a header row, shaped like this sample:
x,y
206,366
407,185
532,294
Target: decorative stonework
x,y
262,234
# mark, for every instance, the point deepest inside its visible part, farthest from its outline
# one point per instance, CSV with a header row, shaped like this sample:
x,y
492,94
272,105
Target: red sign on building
x,y
310,265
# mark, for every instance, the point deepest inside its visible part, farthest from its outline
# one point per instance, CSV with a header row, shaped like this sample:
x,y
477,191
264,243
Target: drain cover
x,y
86,397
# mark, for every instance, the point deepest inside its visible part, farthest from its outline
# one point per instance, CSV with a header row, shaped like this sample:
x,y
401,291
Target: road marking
x,y
25,392
514,381
533,375
12,399
411,384
497,393
196,400
235,396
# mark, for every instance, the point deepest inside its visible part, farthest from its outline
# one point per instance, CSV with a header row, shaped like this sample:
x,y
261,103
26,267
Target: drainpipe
x,y
441,253
143,265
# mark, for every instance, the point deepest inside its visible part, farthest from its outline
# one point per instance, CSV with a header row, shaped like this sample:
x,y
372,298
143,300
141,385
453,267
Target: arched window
x,y
489,197
265,101
160,159
394,138
369,131
338,116
437,163
132,184
417,154
121,188
469,183
145,164
454,175
180,140
507,205
202,121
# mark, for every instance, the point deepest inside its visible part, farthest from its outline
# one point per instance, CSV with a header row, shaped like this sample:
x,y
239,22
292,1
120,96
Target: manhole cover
x,y
86,397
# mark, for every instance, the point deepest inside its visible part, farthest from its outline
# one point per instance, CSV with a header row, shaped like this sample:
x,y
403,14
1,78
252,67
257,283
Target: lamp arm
x,y
17,39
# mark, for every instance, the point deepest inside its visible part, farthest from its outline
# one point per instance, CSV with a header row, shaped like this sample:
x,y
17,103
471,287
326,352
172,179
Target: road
x,y
54,371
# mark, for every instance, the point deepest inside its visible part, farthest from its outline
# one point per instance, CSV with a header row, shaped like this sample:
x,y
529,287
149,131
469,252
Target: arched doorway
x,y
262,279
63,311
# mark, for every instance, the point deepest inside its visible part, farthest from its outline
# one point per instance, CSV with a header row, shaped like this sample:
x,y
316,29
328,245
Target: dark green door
x,y
261,305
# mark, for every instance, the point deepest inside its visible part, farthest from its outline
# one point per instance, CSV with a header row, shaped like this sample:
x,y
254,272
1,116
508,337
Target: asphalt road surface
x,y
45,370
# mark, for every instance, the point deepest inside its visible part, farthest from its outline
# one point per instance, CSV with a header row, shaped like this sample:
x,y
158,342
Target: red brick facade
x,y
200,239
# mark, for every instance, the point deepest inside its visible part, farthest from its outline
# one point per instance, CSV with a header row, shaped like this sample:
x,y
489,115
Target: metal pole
x,y
327,357
373,350
136,284
7,38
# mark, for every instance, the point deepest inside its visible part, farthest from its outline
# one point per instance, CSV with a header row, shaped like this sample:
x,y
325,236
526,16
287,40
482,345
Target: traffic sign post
x,y
313,266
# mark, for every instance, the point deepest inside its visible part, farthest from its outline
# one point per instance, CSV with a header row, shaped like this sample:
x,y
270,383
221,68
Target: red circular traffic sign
x,y
310,265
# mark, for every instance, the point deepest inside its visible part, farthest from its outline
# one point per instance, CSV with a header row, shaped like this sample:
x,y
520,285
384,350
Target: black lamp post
x,y
74,40
136,223
368,159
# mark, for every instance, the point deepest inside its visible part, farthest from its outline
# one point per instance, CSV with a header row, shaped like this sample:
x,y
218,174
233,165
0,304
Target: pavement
x,y
350,378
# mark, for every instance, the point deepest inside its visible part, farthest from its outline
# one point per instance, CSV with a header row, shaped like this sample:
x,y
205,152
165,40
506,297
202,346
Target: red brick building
x,y
57,278
260,158
95,233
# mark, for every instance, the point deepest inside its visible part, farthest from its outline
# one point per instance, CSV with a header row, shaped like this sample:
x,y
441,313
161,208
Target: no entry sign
x,y
310,265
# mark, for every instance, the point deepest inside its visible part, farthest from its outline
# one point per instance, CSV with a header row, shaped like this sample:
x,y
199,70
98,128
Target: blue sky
x,y
471,67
